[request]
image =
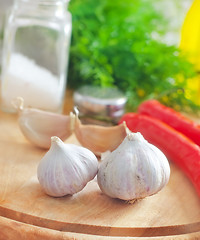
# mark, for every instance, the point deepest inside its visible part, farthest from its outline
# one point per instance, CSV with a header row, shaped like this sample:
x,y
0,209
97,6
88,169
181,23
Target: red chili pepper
x,y
171,117
176,146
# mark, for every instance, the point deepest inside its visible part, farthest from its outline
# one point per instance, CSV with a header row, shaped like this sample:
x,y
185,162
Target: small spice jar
x,y
103,106
35,54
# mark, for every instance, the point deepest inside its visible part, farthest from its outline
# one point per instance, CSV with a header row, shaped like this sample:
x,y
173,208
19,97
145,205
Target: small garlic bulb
x,y
136,169
66,168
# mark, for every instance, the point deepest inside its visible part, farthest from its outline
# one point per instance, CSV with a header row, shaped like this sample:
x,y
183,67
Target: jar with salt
x,y
35,54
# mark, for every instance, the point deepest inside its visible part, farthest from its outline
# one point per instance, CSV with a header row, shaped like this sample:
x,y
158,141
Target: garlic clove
x,y
38,126
99,139
135,170
66,168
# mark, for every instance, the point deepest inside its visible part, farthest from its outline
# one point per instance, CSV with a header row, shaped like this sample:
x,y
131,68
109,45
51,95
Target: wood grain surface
x,y
26,212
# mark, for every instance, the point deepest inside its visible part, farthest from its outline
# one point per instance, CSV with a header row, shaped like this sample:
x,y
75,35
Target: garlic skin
x,y
135,170
99,139
39,126
66,168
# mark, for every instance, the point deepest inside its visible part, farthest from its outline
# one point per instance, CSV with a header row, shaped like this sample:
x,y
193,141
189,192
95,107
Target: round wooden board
x,y
26,212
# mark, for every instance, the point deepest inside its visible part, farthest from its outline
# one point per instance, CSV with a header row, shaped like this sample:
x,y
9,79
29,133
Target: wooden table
x,y
26,212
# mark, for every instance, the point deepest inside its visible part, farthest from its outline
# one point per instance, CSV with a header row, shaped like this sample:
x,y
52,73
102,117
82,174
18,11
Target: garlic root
x,y
39,126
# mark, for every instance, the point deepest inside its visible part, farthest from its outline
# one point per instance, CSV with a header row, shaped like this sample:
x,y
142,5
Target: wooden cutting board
x,y
26,212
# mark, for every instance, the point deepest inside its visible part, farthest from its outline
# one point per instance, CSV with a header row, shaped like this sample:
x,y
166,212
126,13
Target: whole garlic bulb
x,y
66,168
136,169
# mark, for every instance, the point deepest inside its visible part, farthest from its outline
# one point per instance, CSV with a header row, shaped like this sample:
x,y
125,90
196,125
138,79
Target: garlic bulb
x,y
38,126
136,169
97,138
66,168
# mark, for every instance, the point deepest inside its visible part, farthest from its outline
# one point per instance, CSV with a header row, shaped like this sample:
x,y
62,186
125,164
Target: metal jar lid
x,y
102,104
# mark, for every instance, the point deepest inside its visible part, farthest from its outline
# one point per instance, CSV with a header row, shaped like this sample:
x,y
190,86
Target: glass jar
x,y
35,54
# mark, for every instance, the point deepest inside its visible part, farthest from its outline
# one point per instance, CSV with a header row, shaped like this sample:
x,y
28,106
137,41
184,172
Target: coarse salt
x,y
36,85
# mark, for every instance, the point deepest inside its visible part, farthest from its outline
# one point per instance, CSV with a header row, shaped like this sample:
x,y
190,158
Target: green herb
x,y
113,45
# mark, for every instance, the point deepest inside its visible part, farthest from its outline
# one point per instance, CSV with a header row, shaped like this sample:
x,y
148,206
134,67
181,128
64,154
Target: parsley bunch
x,y
113,44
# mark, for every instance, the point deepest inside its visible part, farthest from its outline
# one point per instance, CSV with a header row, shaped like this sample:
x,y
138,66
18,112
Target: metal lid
x,y
105,104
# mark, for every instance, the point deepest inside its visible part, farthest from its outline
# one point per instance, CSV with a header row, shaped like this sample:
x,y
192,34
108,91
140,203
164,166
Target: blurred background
x,y
4,8
134,46
174,10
